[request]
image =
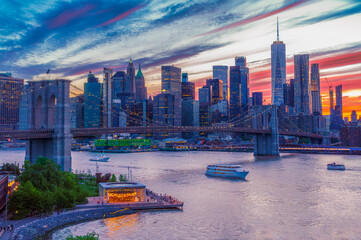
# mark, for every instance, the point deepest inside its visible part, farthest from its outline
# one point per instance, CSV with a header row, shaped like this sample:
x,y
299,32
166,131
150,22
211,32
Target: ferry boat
x,y
99,158
226,171
334,166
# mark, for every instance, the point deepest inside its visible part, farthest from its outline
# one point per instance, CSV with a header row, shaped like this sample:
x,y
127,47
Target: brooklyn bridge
x,y
49,131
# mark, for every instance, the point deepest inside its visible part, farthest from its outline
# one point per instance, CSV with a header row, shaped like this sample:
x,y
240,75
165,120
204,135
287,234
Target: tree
x,y
113,178
44,187
89,236
11,167
122,178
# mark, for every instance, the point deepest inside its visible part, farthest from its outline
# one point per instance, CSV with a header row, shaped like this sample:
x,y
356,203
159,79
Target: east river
x,y
291,197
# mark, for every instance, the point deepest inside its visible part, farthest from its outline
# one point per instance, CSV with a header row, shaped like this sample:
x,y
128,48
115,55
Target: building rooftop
x,y
109,185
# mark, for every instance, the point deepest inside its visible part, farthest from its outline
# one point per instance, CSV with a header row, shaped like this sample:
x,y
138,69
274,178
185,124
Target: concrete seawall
x,y
40,228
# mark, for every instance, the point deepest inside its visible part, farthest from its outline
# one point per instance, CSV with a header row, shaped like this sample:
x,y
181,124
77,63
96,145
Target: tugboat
x,y
334,166
226,171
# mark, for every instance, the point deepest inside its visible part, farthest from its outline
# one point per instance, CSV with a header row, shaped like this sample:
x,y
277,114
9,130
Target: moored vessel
x,y
335,166
226,171
99,158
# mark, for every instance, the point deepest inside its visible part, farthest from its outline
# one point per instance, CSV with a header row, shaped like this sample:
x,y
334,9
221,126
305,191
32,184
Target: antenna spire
x,y
278,34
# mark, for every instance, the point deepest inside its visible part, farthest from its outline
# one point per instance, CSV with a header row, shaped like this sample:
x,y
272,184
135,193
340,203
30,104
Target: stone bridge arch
x,y
265,117
49,108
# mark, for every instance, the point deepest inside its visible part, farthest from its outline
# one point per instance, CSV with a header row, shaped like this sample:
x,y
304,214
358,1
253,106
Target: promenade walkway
x,y
32,227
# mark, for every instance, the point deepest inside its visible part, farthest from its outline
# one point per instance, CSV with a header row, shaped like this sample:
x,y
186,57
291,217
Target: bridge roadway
x,y
89,132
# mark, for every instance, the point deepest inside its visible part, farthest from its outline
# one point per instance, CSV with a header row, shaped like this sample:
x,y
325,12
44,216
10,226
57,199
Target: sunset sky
x,y
73,37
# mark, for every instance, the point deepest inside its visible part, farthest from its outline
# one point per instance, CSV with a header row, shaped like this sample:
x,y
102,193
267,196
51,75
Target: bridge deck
x,y
90,132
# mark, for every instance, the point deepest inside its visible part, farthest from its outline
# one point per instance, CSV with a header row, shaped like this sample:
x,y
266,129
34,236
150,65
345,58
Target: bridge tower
x,y
49,108
266,118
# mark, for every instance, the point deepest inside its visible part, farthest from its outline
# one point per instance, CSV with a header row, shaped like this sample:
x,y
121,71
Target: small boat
x,y
226,171
99,158
334,166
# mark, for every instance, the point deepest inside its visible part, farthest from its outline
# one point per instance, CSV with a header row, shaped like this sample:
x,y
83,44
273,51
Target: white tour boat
x,y
226,171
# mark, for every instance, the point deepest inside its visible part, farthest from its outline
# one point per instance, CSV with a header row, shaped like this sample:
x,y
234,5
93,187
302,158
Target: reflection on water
x,y
292,197
126,223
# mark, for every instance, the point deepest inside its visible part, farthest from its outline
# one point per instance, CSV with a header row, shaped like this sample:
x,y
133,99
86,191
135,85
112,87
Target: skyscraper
x,y
93,92
302,84
107,97
164,112
240,61
171,84
130,82
221,72
217,89
315,89
239,90
291,93
331,100
141,90
190,116
339,97
77,111
205,106
188,89
353,116
122,99
278,69
184,77
257,98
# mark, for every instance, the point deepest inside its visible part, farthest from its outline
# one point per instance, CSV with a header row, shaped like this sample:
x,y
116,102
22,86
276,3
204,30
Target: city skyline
x,y
48,36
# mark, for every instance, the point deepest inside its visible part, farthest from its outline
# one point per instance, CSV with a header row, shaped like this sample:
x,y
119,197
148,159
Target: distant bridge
x,y
92,132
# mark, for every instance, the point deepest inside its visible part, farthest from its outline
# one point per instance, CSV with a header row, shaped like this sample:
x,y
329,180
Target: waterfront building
x,y
216,85
130,79
93,95
221,72
171,84
239,90
257,98
338,90
107,97
188,89
315,89
117,192
240,61
278,69
77,111
11,90
353,116
190,116
350,135
302,84
141,90
122,144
